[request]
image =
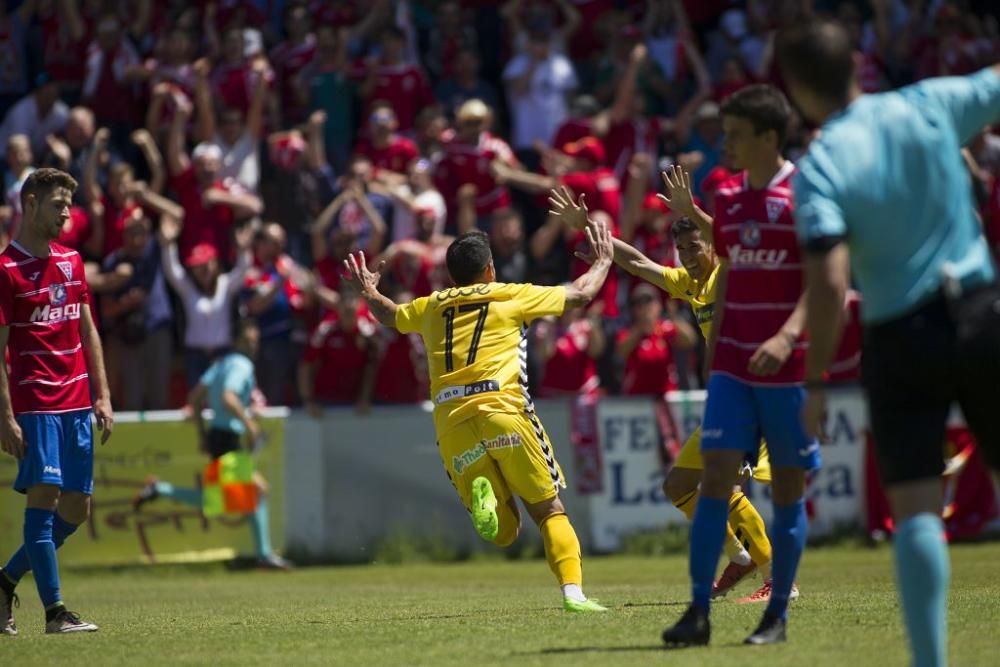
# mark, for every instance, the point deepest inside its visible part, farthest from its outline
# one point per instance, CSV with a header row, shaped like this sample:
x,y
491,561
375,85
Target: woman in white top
x,y
206,294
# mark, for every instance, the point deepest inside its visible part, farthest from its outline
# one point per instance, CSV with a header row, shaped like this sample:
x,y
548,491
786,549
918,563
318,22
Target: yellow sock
x,y
731,546
562,549
749,528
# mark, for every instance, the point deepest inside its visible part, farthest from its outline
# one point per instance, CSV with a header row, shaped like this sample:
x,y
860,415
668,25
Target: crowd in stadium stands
x,y
230,154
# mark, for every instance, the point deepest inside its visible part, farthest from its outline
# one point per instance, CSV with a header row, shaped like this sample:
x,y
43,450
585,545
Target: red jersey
x,y
413,273
396,156
755,233
342,357
649,369
201,225
402,369
463,163
601,188
41,300
114,224
330,271
76,231
65,59
405,88
577,241
571,369
846,366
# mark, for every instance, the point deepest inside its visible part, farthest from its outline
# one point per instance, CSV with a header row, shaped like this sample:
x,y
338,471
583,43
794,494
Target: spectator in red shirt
x,y
340,361
289,58
386,149
111,210
416,265
645,346
710,184
112,70
402,364
234,78
569,346
391,79
210,206
467,159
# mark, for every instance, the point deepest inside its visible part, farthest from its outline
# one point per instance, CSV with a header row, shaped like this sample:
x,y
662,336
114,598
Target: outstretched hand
x,y
366,279
572,213
678,183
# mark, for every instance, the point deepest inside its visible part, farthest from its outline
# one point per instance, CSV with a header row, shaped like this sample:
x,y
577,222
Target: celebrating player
x,y
490,439
884,191
756,360
45,404
694,283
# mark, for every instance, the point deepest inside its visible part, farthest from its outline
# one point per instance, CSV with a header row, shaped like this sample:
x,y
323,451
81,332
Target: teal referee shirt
x,y
886,176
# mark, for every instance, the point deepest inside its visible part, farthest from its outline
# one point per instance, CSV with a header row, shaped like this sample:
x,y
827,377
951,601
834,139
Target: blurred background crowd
x,y
230,153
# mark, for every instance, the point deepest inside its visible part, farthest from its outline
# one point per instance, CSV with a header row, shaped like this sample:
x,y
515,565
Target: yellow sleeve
x,y
535,301
676,282
409,316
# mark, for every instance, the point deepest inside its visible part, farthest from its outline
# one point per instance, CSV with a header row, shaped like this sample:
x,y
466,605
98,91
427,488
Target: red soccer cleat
x,y
763,594
732,575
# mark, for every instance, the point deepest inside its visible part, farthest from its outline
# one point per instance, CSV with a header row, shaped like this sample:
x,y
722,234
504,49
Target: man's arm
x,y
154,159
91,340
827,278
681,199
11,438
231,402
177,157
381,306
243,204
198,399
774,352
586,287
522,179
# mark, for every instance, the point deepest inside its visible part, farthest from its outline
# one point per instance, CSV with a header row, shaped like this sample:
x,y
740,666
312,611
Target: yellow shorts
x,y
510,450
690,458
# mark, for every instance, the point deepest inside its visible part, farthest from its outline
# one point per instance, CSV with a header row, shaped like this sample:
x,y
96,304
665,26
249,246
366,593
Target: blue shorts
x,y
738,415
59,450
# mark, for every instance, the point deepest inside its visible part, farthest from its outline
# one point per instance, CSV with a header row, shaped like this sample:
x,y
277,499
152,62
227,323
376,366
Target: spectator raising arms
x,y
210,205
206,294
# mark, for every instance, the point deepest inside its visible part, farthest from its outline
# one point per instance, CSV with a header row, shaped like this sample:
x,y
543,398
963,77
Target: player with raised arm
x,y
45,401
492,444
756,360
746,542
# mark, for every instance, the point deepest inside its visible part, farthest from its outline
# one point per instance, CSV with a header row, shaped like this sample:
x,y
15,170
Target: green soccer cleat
x,y
585,607
484,509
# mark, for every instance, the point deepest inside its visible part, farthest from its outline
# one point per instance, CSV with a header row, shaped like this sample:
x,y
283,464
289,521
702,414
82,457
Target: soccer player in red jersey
x,y
757,356
45,399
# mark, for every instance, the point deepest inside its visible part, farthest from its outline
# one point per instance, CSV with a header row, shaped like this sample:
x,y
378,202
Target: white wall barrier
x,y
353,480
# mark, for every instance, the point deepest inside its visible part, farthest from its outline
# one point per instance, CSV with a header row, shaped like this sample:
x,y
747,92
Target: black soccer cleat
x,y
770,631
692,630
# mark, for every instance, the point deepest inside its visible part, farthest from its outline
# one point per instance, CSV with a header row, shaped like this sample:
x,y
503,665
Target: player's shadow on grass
x,y
569,650
655,604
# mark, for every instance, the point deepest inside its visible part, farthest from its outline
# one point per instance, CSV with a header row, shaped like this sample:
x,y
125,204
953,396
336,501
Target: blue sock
x,y
260,526
18,565
708,531
185,496
788,540
923,572
42,553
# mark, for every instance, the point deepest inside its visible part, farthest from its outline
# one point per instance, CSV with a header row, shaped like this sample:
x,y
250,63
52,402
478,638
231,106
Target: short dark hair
x,y
764,106
684,226
43,181
818,54
468,256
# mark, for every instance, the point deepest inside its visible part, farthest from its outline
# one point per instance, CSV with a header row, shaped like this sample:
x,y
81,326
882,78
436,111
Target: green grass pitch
x,y
490,612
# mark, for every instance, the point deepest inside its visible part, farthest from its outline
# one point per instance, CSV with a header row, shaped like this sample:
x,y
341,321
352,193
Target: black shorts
x,y
222,442
916,367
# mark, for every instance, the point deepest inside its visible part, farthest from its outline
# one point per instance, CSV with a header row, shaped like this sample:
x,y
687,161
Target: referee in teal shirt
x,y
883,192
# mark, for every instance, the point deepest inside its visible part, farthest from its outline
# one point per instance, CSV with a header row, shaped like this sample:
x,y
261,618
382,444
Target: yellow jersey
x,y
679,284
477,345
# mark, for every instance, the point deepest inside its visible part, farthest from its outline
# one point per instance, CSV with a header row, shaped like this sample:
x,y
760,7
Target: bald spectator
x,y
19,161
210,206
68,150
36,116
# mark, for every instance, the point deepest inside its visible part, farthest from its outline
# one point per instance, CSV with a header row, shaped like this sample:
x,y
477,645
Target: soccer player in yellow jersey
x,y
491,442
746,545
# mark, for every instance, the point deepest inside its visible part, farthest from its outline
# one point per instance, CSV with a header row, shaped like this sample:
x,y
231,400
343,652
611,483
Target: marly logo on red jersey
x,y
759,256
46,313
